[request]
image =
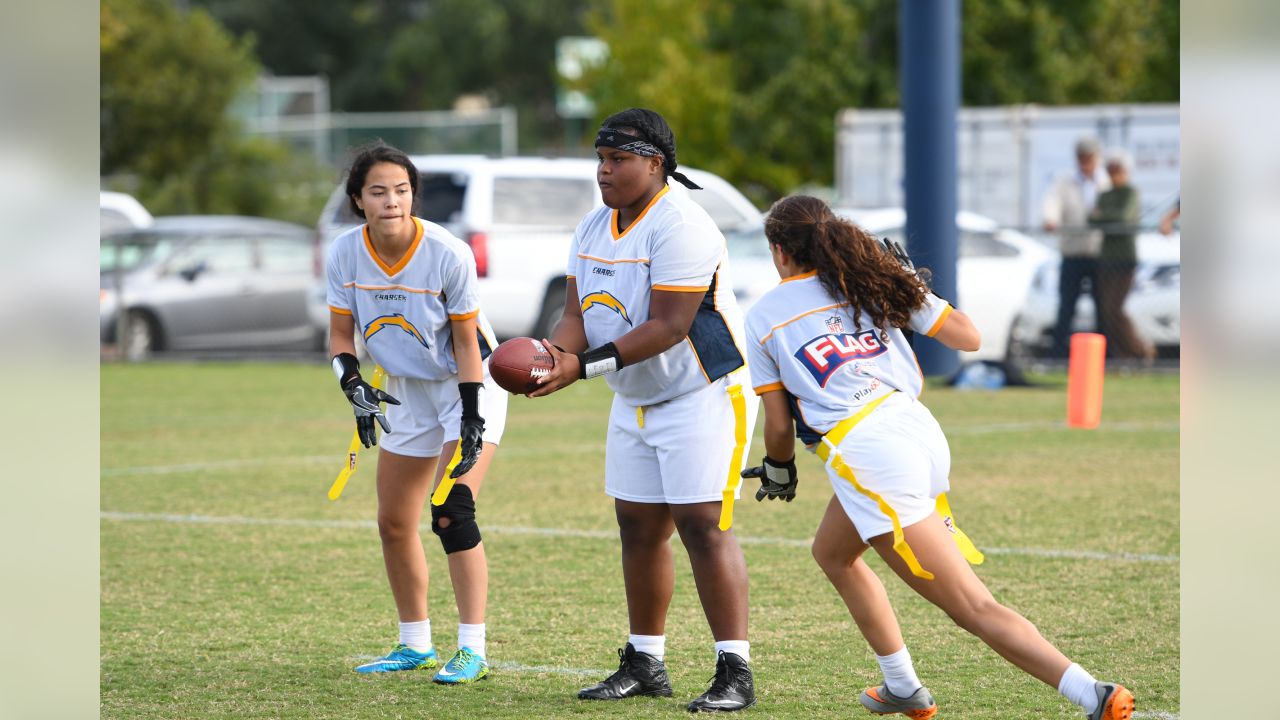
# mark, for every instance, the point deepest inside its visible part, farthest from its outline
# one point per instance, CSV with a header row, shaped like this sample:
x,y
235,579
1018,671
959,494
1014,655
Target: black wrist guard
x,y
787,465
347,368
594,363
470,394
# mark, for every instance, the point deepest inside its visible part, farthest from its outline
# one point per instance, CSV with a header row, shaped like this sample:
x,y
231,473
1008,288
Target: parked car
x,y
995,267
1154,304
208,283
120,211
518,215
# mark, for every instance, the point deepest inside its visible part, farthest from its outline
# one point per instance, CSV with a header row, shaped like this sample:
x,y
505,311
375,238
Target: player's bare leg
x,y
647,569
720,572
403,484
649,578
962,595
469,569
719,569
838,549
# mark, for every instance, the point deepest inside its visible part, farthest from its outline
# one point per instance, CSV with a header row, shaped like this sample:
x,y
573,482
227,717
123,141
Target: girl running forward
x,y
829,358
650,306
408,287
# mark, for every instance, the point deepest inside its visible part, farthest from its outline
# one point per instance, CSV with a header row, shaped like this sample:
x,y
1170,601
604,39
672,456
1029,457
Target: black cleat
x,y
731,689
639,675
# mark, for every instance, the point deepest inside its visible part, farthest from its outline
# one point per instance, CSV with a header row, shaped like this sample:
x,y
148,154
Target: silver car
x,y
201,282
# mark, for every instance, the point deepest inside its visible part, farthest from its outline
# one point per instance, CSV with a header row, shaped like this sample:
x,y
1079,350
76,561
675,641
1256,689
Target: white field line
x,y
1060,425
512,667
336,459
597,535
1157,715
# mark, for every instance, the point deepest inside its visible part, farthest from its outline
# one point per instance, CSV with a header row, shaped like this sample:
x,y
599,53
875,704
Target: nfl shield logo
x,y
835,324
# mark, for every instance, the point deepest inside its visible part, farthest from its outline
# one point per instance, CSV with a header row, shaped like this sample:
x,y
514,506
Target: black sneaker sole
x,y
719,710
651,693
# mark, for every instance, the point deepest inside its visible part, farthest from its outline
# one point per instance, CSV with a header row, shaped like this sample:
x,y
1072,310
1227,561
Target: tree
x,y
167,78
416,55
1055,53
753,89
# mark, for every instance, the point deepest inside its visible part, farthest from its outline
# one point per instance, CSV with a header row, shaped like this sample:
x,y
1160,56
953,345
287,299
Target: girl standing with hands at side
x,y
831,363
408,287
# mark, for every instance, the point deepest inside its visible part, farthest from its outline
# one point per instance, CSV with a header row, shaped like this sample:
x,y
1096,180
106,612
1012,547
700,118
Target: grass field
x,y
232,588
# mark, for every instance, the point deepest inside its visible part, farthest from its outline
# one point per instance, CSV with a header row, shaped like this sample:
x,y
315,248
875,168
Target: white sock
x,y
1076,685
741,648
655,645
417,635
899,673
471,636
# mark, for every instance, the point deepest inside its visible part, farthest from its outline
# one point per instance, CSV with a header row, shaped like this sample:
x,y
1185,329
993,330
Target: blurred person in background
x,y
832,365
1066,210
1116,214
1170,219
650,307
408,287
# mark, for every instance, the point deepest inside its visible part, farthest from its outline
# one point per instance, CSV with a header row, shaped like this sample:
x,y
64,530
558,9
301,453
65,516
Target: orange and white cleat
x,y
1115,702
917,706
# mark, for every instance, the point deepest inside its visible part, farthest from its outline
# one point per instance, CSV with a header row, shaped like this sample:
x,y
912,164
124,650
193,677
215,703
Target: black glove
x,y
777,479
471,438
364,398
894,248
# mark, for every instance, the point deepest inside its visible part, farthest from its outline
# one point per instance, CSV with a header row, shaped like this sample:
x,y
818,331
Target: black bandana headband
x,y
626,143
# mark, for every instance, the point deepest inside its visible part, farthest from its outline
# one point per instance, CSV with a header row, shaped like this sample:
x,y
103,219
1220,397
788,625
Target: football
x,y
517,364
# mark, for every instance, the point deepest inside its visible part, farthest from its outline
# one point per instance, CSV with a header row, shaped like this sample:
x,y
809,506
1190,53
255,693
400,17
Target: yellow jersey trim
x,y
611,262
785,323
616,215
769,387
392,270
682,288
338,310
465,316
938,325
391,287
801,276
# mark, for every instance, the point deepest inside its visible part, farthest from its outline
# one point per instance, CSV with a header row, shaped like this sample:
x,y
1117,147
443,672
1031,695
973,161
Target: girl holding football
x,y
650,307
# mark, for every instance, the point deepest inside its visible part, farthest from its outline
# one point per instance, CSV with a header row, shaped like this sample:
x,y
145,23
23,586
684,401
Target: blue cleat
x,y
402,657
464,667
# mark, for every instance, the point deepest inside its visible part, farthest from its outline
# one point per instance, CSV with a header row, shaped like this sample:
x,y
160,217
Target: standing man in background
x,y
1117,214
1066,211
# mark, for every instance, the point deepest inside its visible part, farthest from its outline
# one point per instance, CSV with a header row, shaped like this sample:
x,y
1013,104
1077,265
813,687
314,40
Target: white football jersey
x,y
403,312
674,246
800,339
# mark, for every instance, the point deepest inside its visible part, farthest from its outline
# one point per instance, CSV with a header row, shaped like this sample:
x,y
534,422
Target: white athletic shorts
x,y
430,414
683,451
899,453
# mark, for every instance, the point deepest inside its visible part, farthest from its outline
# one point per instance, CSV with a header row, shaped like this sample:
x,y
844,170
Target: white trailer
x,y
1008,156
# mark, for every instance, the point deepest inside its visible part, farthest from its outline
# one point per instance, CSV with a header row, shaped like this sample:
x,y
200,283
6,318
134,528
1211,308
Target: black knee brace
x,y
459,508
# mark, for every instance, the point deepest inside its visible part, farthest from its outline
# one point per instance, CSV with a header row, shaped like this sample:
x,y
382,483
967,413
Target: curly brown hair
x,y
851,264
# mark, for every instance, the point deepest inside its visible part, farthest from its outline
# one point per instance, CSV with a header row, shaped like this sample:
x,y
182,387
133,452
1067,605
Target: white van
x,y
120,212
518,215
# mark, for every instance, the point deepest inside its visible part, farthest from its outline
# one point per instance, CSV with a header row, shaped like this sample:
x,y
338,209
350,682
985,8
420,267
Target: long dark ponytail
x,y
851,264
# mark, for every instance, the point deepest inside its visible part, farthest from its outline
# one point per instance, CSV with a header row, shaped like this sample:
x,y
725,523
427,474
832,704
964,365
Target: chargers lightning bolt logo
x,y
394,320
604,299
